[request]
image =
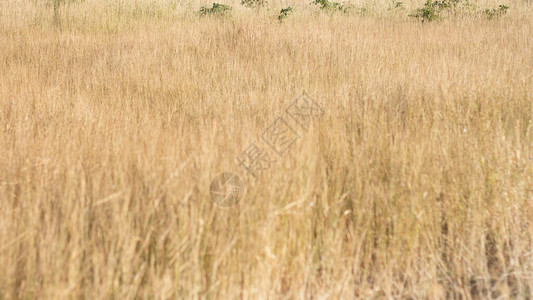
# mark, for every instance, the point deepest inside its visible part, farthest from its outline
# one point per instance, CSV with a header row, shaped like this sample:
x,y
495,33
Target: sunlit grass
x,y
415,183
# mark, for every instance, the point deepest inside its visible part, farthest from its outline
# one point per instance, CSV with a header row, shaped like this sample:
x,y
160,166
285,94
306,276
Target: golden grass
x,y
417,182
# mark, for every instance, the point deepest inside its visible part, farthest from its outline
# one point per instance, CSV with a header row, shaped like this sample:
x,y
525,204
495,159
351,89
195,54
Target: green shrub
x,y
284,13
426,13
431,11
330,5
496,12
216,10
253,3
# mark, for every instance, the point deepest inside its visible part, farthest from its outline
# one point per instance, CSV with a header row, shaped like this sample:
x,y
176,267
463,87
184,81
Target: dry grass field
x,y
416,181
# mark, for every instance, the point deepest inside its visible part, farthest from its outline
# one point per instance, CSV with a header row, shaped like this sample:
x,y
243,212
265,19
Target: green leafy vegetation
x,y
431,11
436,10
216,10
254,3
284,13
330,5
496,12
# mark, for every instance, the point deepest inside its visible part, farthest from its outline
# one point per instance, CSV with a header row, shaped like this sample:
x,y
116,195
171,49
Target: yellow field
x,y
415,182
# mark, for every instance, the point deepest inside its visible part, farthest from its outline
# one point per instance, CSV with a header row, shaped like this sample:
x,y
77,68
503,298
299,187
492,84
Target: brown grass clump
x,y
416,182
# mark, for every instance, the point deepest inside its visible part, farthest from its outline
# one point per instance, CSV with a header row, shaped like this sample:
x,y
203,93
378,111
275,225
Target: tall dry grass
x,y
417,182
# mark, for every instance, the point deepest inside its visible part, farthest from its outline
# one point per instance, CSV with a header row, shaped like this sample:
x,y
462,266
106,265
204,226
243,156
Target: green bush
x,y
253,3
330,5
496,12
216,10
284,13
431,11
426,13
